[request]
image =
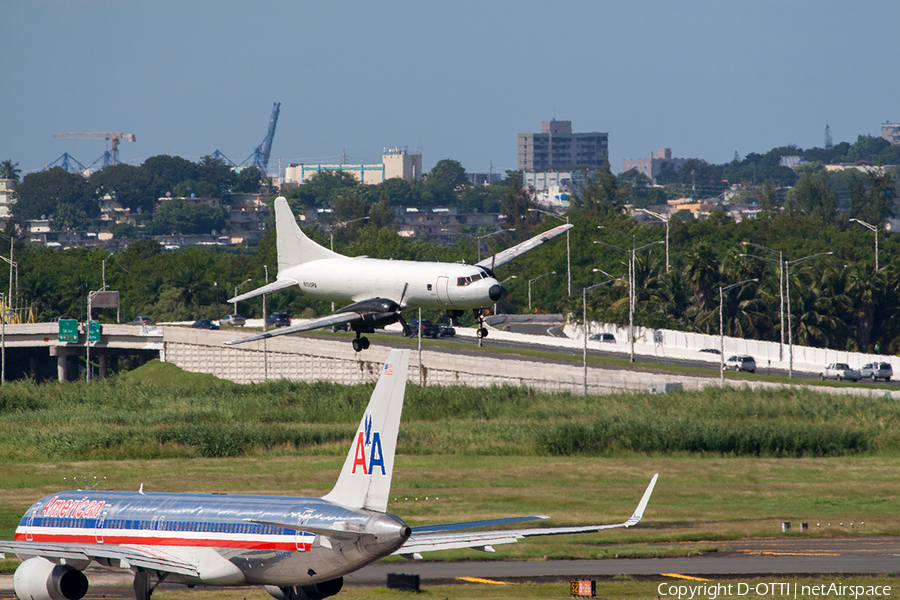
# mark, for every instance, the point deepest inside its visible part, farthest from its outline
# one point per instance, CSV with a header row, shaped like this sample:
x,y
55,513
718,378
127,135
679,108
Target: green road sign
x,y
93,331
68,330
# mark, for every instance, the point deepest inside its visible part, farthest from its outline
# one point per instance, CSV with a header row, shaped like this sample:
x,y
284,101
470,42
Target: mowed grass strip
x,y
705,500
160,412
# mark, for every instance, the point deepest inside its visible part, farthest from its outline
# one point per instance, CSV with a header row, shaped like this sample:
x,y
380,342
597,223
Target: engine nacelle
x,y
39,579
317,591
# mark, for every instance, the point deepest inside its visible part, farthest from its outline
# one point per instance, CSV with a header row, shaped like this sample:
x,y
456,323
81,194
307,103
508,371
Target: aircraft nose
x,y
494,292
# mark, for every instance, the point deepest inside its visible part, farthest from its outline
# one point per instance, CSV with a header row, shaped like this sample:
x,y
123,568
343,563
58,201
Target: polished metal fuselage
x,y
234,540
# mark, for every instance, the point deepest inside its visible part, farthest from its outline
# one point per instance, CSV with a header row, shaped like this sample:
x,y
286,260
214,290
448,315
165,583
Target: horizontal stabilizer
x,y
280,284
328,321
337,534
424,540
474,524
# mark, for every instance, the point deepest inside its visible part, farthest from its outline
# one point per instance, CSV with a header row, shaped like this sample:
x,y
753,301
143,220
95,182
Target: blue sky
x,y
457,79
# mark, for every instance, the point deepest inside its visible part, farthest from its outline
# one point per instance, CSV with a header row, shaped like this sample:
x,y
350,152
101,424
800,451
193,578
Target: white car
x,y
741,363
876,371
839,371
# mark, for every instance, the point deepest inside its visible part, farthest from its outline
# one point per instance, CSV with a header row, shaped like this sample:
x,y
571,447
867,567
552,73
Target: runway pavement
x,y
863,555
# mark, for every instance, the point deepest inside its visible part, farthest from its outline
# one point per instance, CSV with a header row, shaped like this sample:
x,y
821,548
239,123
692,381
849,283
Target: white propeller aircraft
x,y
298,548
378,289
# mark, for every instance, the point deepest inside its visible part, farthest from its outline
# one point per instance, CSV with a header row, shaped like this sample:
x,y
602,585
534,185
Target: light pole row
x,y
722,327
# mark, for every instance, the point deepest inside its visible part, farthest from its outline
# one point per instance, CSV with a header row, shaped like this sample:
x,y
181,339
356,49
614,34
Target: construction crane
x,y
260,156
115,136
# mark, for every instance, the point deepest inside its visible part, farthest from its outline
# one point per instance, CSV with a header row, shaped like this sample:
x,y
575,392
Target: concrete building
x,y
557,148
891,132
396,163
656,164
7,199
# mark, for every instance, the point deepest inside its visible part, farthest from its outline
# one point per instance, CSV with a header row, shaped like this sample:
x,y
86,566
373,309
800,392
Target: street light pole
x,y
584,325
568,248
787,280
875,229
530,281
722,328
780,285
666,221
237,289
631,283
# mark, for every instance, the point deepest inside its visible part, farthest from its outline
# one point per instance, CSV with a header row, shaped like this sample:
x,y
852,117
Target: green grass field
x,y
733,463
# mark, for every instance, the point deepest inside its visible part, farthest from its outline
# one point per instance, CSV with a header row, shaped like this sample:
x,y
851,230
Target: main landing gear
x,y
142,585
360,343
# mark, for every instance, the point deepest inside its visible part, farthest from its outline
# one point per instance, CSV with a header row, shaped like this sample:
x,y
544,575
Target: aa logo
x,y
368,454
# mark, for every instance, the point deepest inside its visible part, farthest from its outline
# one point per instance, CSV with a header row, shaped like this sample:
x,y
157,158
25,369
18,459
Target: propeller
x,y
400,310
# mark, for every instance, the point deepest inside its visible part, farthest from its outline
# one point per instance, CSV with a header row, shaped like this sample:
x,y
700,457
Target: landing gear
x,y
142,587
482,330
360,343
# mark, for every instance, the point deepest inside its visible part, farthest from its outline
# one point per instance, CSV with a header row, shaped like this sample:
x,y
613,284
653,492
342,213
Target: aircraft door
x,y
29,534
303,539
443,290
98,530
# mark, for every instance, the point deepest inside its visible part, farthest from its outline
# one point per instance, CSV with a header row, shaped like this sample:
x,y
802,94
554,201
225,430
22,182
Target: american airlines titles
x,y
78,509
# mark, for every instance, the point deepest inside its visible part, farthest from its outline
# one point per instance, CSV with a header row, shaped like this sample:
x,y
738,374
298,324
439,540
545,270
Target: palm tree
x,y
9,170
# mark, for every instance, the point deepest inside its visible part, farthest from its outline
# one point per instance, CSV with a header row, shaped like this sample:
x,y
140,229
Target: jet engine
x,y
40,579
316,591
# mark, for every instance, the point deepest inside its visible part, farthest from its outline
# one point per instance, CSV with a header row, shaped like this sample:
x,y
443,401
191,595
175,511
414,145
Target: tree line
x,y
837,301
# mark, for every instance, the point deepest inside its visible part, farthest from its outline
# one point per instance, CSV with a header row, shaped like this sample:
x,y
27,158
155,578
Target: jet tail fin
x,y
365,479
294,248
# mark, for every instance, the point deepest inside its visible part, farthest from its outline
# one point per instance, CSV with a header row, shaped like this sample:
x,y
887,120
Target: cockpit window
x,y
484,275
475,277
462,281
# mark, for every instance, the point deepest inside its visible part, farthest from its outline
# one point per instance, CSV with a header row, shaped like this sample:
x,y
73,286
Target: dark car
x,y
279,319
446,330
204,324
603,337
429,329
142,321
710,350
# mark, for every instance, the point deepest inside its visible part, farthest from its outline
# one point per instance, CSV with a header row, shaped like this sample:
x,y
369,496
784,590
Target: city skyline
x,y
460,81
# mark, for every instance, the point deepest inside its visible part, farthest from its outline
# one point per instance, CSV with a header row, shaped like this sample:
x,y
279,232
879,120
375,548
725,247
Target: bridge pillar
x,y
62,355
101,358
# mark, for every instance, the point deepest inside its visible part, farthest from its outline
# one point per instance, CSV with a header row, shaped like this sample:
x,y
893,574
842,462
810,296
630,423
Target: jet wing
x,y
484,540
127,556
327,321
280,284
501,258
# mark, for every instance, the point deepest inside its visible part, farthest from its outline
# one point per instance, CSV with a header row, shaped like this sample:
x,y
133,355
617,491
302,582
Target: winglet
x,y
365,479
642,505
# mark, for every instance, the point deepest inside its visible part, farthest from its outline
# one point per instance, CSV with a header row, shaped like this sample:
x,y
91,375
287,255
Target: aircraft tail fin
x,y
365,479
294,248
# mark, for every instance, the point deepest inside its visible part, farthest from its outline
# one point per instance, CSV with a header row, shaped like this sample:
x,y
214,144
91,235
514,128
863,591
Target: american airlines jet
x,y
298,548
379,290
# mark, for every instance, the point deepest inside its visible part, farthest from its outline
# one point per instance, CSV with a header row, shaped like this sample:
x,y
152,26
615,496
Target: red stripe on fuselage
x,y
143,540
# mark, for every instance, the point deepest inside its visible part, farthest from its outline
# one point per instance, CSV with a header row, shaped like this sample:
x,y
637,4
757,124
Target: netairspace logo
x,y
711,591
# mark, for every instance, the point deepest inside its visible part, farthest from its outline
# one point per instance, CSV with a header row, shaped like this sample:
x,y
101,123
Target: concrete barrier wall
x,y
311,359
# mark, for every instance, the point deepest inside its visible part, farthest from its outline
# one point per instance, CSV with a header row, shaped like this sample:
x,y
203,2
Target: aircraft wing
x,y
126,556
484,540
279,284
327,321
507,255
